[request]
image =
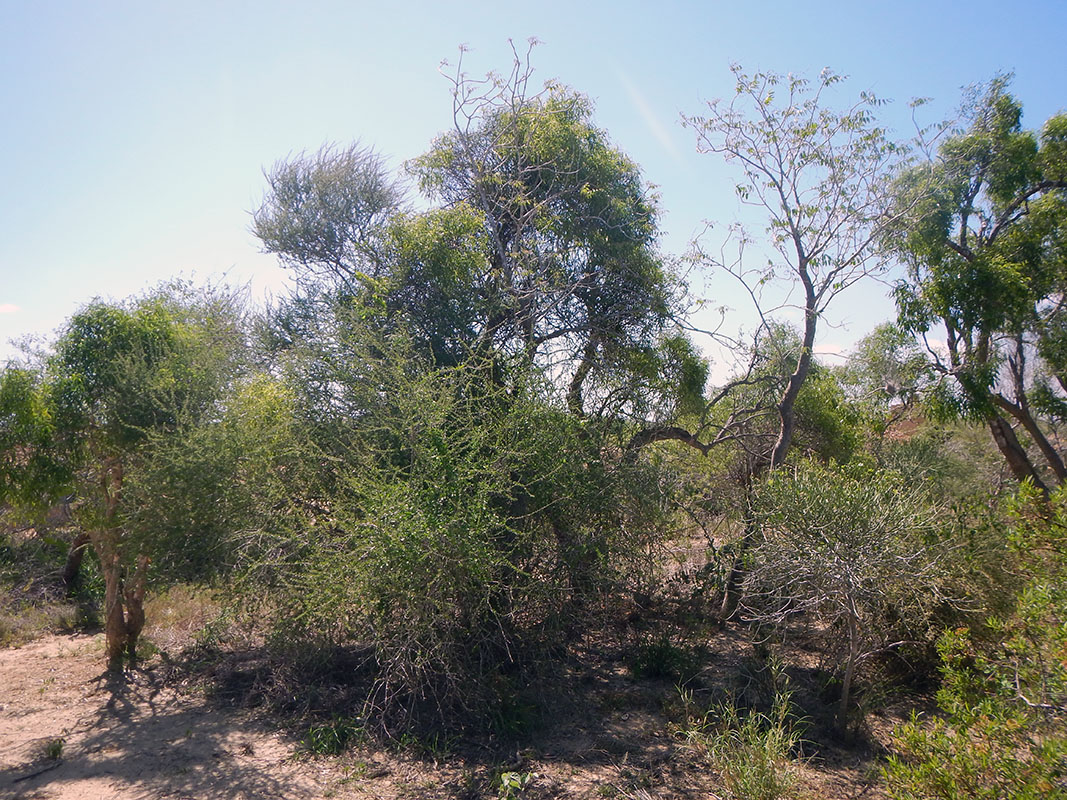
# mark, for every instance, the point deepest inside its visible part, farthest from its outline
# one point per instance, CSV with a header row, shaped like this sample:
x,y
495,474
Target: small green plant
x,y
52,750
433,747
332,738
514,715
661,658
752,751
147,650
513,784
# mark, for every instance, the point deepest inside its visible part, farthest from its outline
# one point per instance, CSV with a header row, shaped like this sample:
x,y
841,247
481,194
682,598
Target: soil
x,y
138,739
68,732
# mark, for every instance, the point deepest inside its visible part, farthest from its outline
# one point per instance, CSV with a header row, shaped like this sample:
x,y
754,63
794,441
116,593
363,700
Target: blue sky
x,y
134,134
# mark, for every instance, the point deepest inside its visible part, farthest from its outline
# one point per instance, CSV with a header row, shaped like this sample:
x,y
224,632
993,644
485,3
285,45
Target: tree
x,y
325,214
887,365
821,176
29,467
983,231
543,251
120,375
572,278
464,373
449,524
850,548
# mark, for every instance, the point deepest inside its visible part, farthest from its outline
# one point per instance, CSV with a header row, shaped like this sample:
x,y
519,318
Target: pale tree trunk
x,y
787,404
123,600
114,618
106,542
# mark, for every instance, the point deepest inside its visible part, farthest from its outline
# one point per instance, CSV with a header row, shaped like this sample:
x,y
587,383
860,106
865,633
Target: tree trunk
x,y
1013,452
662,433
731,595
134,594
106,543
114,619
787,404
74,560
850,671
1022,413
574,391
787,425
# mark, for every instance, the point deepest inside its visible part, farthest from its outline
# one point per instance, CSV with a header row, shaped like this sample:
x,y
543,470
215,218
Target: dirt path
x,y
140,741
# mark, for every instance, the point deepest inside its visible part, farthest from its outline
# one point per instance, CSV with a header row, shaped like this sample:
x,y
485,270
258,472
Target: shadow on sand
x,y
145,743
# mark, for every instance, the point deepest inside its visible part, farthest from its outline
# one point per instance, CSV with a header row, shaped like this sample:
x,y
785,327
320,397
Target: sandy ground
x,y
141,740
146,739
149,740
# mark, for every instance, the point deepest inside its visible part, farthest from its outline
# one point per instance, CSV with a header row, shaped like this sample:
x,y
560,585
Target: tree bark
x,y
662,433
574,391
787,404
134,595
850,671
1026,419
1013,452
1020,409
74,560
731,595
787,425
114,619
106,542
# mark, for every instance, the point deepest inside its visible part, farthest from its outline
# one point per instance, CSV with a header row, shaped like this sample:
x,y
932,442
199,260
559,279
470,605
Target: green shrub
x,y
661,658
987,746
52,749
450,528
1003,698
333,737
854,549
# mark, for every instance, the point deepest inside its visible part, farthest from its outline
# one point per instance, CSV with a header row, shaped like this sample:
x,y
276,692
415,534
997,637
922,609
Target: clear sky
x,y
134,134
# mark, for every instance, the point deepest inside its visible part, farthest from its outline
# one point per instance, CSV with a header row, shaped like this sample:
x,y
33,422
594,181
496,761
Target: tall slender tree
x,y
820,175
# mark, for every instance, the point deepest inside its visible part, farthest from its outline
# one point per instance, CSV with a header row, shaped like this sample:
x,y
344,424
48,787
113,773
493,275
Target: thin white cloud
x,y
8,308
655,126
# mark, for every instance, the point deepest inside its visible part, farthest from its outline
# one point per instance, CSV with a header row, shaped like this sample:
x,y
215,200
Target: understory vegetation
x,y
479,443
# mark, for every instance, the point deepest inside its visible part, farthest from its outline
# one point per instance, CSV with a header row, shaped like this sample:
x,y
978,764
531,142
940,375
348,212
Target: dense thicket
x,y
478,416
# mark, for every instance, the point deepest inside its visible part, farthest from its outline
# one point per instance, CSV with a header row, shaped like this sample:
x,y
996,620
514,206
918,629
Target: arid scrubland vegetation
x,y
468,494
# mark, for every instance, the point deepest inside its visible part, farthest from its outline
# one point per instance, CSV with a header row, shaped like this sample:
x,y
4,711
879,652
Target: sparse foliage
x,y
851,548
820,175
